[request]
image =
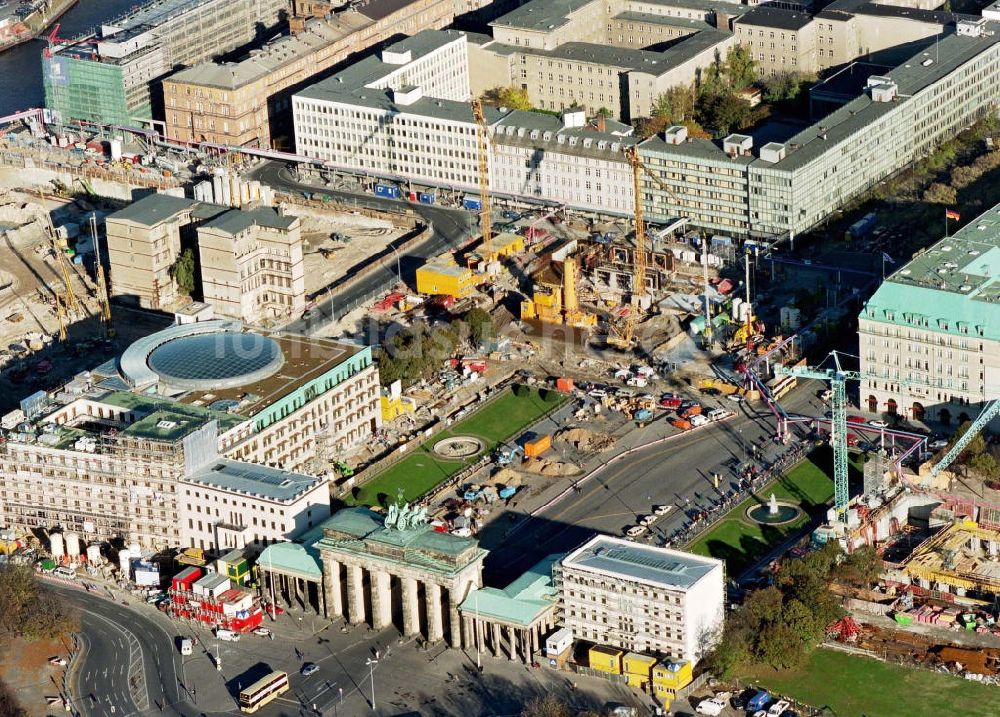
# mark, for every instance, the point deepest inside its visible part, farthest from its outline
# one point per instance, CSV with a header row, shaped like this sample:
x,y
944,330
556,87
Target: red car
x,y
670,401
856,419
273,609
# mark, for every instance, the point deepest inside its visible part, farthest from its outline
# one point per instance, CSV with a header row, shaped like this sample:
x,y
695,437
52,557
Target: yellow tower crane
x,y
61,315
72,305
485,227
624,335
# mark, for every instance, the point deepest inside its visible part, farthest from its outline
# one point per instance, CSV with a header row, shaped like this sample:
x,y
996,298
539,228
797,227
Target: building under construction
x,y
109,77
962,558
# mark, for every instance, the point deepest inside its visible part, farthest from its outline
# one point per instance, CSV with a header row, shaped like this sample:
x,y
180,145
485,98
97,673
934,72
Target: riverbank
x,y
35,24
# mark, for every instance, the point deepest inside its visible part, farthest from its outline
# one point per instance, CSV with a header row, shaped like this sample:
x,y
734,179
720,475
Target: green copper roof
x,y
521,602
295,558
953,287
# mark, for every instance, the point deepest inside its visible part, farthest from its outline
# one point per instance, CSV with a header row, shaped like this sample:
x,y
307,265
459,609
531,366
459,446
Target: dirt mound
x,y
585,441
552,469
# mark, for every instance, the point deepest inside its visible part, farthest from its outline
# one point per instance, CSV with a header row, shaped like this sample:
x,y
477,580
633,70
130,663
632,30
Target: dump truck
x,y
642,415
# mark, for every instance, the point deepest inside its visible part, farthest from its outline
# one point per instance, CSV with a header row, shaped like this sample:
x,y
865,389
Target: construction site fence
x,y
22,158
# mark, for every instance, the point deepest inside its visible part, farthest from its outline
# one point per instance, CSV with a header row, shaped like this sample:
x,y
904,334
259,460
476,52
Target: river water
x,y
21,67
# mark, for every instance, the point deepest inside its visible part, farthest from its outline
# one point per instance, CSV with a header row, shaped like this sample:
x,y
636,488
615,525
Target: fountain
x,y
774,512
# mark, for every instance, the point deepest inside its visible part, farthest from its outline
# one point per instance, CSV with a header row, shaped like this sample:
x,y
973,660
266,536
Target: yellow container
x,y
605,659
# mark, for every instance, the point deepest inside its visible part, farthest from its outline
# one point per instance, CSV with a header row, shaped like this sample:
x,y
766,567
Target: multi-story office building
x,y
251,264
789,187
564,160
251,261
780,41
110,453
110,78
247,103
231,505
402,114
931,332
618,56
640,598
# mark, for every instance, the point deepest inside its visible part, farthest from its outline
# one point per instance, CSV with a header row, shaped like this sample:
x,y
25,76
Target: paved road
x,y
129,665
452,227
672,473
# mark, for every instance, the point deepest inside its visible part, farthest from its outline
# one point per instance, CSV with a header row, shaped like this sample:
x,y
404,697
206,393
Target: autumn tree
x,y
31,611
511,97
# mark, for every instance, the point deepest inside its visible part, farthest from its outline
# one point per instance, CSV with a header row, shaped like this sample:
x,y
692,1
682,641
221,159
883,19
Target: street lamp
x,y
371,662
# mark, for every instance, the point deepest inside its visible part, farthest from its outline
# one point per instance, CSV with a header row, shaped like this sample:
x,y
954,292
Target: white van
x,y
227,635
64,572
186,646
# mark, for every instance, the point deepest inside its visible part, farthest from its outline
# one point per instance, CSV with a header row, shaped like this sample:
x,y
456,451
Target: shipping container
x,y
428,198
472,203
535,448
564,384
387,190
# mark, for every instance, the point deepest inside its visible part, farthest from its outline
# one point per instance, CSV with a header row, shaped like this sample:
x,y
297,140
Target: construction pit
x,y
335,244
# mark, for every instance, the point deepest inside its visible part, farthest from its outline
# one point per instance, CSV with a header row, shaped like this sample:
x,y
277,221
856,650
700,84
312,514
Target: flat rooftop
x,y
306,359
952,287
764,16
255,481
606,555
318,34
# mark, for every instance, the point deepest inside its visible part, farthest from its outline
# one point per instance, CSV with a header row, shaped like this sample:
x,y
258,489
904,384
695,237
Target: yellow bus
x,y
263,691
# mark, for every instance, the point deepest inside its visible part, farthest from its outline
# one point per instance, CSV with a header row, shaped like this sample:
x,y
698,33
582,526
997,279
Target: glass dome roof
x,y
219,359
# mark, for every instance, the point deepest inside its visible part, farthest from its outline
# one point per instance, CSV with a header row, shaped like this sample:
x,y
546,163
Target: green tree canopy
x,y
511,97
480,325
29,610
183,271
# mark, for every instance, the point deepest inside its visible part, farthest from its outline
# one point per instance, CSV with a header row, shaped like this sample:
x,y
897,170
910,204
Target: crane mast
x,y
485,227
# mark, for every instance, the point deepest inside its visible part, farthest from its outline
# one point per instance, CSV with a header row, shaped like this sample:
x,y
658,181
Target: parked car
x,y
310,668
647,520
262,631
662,509
778,708
227,635
938,444
735,398
711,707
878,423
826,394
856,419
635,531
698,420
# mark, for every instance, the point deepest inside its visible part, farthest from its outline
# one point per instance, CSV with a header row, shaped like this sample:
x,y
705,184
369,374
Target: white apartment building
x,y
641,598
931,332
231,505
566,161
403,114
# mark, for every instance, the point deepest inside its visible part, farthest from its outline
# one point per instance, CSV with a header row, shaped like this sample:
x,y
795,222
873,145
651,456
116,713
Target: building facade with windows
x,y
780,42
564,160
230,505
930,335
783,188
642,599
248,103
402,114
110,77
251,263
104,455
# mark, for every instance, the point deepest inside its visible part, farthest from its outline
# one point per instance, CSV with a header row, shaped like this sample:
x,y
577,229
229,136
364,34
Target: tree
x,y
10,706
739,68
511,97
861,568
722,113
29,610
183,271
985,465
780,647
480,325
605,112
939,193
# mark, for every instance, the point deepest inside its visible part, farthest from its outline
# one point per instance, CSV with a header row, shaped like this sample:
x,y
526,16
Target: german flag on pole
x,y
951,214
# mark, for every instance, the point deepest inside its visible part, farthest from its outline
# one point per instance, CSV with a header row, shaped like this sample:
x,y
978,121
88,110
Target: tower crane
x,y
485,226
72,305
838,378
103,297
625,335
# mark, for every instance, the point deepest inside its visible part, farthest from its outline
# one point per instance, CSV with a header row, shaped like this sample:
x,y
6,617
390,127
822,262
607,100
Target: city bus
x,y
263,691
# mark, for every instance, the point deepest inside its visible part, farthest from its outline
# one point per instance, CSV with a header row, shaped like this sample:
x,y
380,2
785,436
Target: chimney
x,y
601,124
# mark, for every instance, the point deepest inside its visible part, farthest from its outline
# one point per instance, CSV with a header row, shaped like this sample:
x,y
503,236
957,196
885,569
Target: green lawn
x,y
863,687
740,541
416,474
